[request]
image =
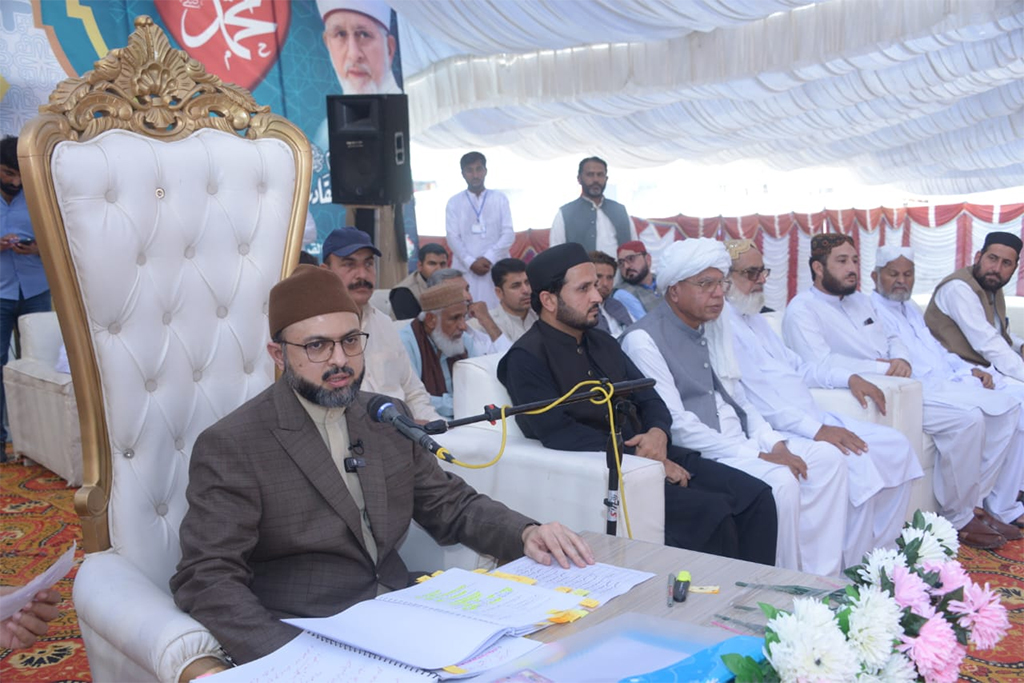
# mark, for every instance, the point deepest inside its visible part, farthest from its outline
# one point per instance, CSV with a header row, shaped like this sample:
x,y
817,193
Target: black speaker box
x,y
369,141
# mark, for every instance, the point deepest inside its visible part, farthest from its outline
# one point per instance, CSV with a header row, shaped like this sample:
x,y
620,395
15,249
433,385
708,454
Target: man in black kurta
x,y
709,507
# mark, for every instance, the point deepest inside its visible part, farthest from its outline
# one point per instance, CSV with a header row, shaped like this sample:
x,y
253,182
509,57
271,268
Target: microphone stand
x,y
623,409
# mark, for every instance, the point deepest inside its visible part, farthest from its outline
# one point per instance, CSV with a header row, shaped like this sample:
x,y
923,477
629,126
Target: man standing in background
x,y
592,219
478,226
23,286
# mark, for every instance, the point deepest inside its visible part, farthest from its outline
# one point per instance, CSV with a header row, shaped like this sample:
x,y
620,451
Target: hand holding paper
x,y
25,610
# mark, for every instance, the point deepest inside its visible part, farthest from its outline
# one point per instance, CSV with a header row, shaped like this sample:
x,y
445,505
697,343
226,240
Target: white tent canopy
x,y
924,94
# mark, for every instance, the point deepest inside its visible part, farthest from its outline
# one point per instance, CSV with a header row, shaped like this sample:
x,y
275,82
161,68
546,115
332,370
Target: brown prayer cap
x,y
822,245
308,292
443,295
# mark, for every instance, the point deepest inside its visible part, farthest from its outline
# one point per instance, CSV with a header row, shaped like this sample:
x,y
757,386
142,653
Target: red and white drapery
x,y
944,239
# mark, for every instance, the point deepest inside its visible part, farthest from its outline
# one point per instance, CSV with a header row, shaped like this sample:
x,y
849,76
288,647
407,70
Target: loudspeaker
x,y
369,144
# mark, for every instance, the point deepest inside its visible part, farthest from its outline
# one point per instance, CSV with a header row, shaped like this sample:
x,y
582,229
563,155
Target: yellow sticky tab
x,y
421,579
575,614
559,616
564,589
581,591
589,603
454,669
479,570
513,577
438,572
704,589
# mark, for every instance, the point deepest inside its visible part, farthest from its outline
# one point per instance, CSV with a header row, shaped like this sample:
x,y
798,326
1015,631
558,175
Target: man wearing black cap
x,y
709,507
282,522
967,313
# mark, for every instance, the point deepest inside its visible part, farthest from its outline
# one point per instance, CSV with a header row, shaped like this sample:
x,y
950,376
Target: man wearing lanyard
x,y
23,286
478,226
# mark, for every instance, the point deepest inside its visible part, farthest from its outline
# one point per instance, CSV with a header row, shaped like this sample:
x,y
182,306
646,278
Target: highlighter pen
x,y
681,586
671,585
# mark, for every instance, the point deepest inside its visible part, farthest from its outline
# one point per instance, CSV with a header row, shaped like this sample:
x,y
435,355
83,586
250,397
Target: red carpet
x,y
39,523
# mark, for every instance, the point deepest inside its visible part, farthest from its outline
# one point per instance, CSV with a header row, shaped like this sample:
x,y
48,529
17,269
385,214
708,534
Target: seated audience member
x,y
487,336
349,254
405,295
613,316
974,430
709,507
437,339
638,290
685,345
30,623
513,314
279,525
967,313
881,462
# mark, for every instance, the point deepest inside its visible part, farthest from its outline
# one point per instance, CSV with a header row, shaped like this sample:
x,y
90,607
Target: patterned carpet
x,y
38,523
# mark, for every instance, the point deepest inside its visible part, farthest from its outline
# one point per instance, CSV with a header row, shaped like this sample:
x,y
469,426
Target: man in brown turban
x,y
298,500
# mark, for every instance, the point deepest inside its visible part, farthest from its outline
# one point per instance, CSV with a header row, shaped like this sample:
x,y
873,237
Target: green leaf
x,y
912,623
745,668
853,573
919,521
912,551
843,616
770,611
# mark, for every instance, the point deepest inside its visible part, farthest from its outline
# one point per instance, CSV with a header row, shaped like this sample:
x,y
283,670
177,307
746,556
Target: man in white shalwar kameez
x,y
946,377
834,325
699,382
478,227
880,460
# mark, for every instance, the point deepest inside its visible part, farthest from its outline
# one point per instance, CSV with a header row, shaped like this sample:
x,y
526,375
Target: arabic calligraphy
x,y
245,27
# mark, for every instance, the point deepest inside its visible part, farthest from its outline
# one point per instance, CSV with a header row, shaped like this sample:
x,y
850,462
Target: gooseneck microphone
x,y
383,410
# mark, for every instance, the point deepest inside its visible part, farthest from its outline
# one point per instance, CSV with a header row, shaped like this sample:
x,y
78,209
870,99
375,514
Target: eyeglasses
x,y
709,286
321,350
631,258
754,274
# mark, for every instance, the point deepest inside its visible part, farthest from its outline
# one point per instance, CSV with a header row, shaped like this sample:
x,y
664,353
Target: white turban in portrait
x,y
890,252
686,258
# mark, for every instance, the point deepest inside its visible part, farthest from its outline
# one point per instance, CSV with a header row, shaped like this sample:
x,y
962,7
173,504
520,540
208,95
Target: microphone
x,y
383,410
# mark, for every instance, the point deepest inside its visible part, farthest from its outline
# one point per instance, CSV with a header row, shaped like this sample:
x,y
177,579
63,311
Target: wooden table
x,y
650,596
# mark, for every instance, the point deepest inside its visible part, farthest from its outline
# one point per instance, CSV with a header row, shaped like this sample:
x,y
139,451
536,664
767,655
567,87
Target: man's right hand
x,y
676,474
897,367
8,241
781,455
478,310
841,438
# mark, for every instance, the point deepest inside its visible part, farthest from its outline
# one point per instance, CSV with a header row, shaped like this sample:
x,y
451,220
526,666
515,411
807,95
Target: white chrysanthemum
x,y
944,532
877,560
874,627
899,669
930,548
811,646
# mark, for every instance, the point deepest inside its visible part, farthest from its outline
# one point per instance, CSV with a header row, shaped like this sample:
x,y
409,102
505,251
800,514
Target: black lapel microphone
x,y
352,464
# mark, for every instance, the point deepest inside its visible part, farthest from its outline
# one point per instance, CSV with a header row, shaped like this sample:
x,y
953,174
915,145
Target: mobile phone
x,y
25,241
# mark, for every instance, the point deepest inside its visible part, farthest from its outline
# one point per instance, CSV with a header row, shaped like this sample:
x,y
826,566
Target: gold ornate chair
x,y
167,203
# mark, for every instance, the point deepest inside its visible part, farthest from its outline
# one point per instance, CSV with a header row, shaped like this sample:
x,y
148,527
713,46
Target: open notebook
x,y
443,621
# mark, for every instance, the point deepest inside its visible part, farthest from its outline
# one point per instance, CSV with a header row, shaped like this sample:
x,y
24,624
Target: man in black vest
x,y
709,507
592,219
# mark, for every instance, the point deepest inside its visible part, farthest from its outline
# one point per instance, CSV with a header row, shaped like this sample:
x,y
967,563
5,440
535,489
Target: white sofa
x,y
41,406
548,485
904,412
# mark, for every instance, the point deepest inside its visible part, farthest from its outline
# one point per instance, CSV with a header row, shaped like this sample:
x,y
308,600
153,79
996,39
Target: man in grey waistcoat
x,y
592,219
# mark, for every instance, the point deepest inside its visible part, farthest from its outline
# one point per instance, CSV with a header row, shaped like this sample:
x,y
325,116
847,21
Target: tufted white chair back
x,y
175,246
167,204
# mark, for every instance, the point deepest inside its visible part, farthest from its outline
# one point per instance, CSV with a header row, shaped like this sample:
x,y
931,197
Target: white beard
x,y
387,86
448,347
746,304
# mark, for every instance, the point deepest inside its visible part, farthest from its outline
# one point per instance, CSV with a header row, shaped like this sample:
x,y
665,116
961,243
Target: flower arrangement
x,y
908,616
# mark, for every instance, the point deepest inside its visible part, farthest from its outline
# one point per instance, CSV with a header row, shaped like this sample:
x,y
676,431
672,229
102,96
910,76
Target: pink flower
x,y
951,576
911,591
935,651
982,614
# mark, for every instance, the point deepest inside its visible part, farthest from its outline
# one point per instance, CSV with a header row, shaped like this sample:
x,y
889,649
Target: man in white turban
x,y
358,38
699,382
951,384
881,462
833,324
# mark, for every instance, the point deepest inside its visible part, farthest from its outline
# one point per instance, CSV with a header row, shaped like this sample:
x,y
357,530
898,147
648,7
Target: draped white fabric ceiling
x,y
927,95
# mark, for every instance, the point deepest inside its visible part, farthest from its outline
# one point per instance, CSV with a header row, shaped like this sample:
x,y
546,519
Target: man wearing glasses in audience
x,y
638,291
881,462
685,345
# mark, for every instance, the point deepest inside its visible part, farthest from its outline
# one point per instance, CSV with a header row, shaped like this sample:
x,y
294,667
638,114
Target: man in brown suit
x,y
284,522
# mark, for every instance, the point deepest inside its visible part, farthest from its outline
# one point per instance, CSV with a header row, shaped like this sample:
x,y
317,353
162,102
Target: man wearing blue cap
x,y
349,253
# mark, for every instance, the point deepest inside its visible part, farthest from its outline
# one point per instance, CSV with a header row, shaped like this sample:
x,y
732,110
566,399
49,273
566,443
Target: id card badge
x,y
478,228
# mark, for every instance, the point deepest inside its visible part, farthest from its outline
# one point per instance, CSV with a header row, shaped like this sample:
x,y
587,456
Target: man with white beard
x,y
835,325
880,460
941,370
699,382
437,339
358,39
